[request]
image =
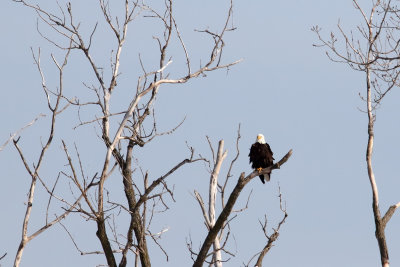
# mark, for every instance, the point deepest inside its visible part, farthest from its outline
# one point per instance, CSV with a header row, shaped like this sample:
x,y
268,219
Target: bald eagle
x,y
261,156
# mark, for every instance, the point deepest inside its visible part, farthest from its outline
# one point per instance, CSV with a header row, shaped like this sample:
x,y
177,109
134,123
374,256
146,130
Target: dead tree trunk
x,y
379,62
379,225
221,155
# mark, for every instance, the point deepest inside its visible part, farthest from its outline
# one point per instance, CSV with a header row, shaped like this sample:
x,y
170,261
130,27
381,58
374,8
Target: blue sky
x,y
285,88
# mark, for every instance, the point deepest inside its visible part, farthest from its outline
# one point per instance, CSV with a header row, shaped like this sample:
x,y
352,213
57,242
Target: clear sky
x,y
285,88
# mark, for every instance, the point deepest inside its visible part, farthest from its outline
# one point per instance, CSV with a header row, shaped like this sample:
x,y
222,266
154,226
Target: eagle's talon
x,y
259,169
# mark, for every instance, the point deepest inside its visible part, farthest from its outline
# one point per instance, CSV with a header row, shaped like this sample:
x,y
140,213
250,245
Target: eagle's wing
x,y
270,153
252,154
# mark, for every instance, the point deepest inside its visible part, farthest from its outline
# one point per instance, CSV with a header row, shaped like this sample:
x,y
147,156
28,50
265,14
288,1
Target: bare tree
x,y
130,128
374,50
217,187
209,216
217,226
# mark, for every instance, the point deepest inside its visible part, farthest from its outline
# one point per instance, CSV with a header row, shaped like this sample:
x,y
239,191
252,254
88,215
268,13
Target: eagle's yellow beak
x,y
259,137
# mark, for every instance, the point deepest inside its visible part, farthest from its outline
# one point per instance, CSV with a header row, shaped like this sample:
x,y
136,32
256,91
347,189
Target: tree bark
x,y
24,239
136,223
379,225
221,155
212,234
102,235
265,250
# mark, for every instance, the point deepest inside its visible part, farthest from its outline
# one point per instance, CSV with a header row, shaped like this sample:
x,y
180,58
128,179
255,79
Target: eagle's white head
x,y
260,139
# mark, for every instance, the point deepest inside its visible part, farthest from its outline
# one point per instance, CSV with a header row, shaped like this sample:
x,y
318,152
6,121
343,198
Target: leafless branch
x,y
242,181
203,209
2,257
274,236
375,54
34,173
120,134
12,136
229,175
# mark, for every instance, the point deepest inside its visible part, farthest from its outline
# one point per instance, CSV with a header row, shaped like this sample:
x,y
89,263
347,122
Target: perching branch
x,y
242,181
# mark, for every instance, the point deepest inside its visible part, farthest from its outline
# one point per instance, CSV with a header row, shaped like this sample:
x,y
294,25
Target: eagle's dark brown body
x,y
261,156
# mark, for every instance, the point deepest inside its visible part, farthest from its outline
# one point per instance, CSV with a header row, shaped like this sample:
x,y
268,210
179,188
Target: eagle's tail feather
x,y
265,177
